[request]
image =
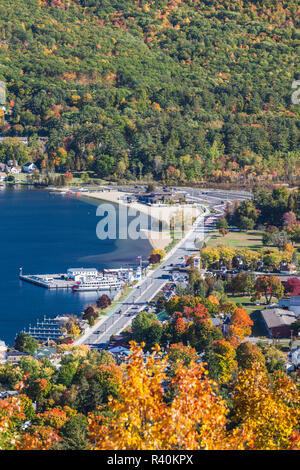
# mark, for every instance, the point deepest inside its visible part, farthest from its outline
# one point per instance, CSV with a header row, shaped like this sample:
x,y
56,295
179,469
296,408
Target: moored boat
x,y
98,283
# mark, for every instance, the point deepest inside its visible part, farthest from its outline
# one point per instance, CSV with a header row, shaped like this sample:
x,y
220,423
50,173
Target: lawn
x,y
246,303
251,239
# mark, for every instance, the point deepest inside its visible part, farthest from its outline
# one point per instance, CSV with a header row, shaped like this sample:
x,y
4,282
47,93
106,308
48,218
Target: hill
x,y
180,90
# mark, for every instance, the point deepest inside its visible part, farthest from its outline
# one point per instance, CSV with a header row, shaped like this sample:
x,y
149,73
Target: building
x,y
23,140
73,273
15,170
8,394
294,358
2,93
278,322
29,167
162,197
3,351
2,176
293,304
15,356
46,352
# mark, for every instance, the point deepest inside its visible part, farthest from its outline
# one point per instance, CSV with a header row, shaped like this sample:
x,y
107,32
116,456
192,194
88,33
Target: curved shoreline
x,y
157,213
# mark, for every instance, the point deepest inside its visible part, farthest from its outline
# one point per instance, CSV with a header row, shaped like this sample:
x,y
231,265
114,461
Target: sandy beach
x,y
160,215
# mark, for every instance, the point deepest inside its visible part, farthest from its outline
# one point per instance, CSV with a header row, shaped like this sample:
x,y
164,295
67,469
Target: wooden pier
x,y
49,281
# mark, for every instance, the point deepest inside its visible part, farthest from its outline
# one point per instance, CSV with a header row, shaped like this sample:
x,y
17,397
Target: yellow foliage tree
x,y
158,251
270,409
142,420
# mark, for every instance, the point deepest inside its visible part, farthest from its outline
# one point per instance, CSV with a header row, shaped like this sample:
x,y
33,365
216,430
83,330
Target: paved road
x,y
155,280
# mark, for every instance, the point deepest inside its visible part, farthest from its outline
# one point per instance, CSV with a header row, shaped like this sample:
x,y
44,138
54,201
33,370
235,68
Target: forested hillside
x,y
182,90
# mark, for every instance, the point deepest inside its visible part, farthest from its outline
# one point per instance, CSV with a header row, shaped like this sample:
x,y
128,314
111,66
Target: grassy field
x,y
246,303
251,239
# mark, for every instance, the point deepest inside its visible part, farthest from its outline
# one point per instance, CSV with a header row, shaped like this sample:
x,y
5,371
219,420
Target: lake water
x,y
46,232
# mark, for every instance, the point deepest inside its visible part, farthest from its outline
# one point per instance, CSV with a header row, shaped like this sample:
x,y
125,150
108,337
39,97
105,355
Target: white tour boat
x,y
98,283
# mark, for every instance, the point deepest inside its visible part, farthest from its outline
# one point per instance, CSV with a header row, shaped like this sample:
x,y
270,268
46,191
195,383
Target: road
x,y
147,288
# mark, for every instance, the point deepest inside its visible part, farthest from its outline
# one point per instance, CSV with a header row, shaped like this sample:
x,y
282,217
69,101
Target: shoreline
x,y
61,238
159,215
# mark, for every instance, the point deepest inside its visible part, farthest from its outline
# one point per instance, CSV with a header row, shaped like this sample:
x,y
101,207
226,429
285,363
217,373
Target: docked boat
x,y
98,283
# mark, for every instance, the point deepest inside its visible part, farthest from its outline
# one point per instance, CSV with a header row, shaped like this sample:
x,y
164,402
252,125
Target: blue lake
x,y
46,232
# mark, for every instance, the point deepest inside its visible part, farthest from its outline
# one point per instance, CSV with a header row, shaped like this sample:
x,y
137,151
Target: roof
x,y
216,321
119,349
83,269
275,317
45,352
8,393
14,352
29,164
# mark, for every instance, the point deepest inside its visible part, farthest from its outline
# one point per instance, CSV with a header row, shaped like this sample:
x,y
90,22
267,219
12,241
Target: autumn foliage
x,y
240,325
196,419
269,408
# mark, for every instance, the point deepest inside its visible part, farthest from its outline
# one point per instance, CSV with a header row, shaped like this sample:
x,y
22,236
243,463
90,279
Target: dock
x,y
49,281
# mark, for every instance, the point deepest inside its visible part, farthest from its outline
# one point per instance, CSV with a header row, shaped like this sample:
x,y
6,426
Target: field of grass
x,y
251,239
246,303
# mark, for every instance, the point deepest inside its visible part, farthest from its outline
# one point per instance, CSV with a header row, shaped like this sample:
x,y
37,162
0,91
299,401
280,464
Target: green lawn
x,y
251,239
246,303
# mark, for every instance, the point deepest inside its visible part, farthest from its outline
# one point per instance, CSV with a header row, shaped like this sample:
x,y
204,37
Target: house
x,y
15,170
293,303
43,353
24,140
3,167
3,350
288,268
295,357
278,322
2,176
8,394
15,356
29,167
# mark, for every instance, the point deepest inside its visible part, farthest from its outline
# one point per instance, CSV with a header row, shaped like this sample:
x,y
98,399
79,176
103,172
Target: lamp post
x,y
141,262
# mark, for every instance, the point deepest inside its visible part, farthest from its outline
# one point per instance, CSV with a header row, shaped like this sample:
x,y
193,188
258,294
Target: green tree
x,y
140,325
74,434
25,343
221,223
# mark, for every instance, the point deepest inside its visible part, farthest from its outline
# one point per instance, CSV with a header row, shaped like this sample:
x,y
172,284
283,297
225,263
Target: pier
x,y
47,329
49,281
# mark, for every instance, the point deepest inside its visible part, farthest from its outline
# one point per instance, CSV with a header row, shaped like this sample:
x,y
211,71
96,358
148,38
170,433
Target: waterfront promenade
x,y
137,300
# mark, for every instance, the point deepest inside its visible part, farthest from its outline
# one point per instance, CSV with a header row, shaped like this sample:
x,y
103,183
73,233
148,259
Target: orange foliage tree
x,y
240,326
12,415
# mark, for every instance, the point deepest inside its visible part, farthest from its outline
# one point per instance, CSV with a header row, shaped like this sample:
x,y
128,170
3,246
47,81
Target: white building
x,y
75,273
15,170
3,350
29,167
